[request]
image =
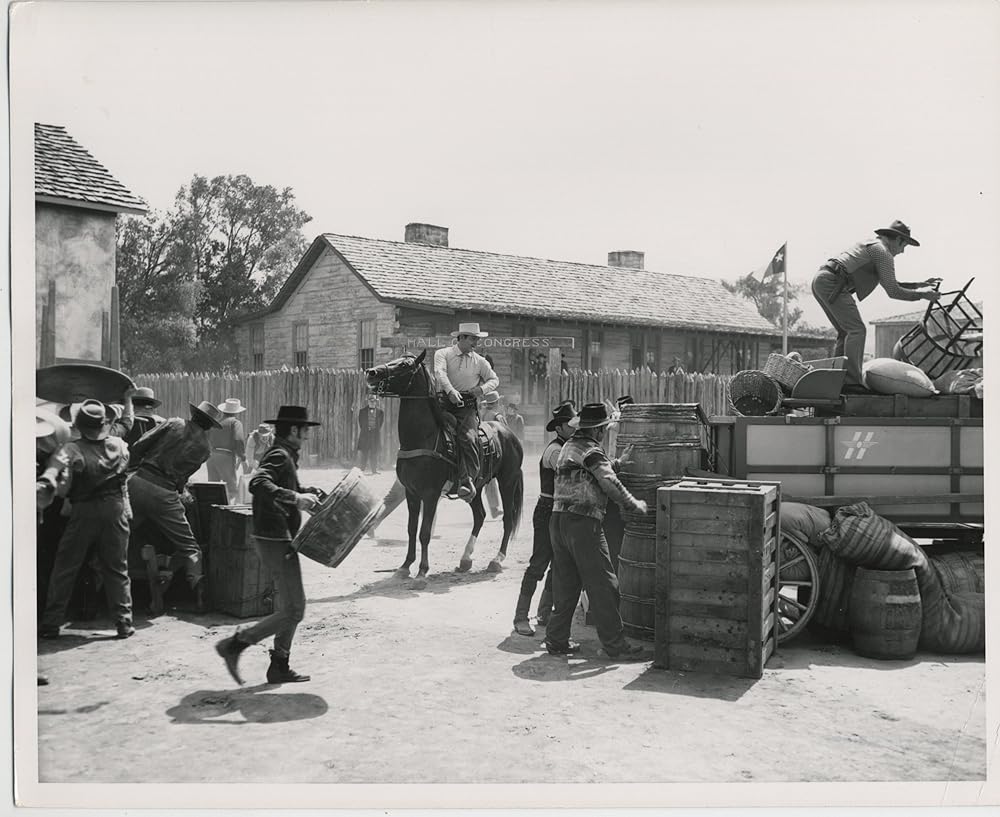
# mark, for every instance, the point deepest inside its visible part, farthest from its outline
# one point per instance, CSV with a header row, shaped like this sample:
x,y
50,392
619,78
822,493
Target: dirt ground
x,y
432,685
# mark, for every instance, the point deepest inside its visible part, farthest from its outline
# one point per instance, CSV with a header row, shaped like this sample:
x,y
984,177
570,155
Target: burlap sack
x,y
864,539
804,523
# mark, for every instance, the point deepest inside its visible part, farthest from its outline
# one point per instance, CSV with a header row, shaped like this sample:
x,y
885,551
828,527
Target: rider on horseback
x,y
462,376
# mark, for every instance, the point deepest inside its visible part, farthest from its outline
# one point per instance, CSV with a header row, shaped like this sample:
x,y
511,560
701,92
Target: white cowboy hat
x,y
469,329
491,398
231,406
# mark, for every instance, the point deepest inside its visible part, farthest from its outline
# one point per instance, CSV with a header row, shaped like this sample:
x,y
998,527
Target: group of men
x,y
109,488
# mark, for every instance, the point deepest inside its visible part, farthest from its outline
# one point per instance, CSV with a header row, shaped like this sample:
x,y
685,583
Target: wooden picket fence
x,y
334,397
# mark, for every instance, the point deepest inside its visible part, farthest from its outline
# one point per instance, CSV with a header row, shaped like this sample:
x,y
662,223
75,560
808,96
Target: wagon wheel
x,y
798,589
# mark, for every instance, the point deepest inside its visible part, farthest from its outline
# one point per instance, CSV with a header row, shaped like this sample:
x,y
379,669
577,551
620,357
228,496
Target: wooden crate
x,y
717,575
238,584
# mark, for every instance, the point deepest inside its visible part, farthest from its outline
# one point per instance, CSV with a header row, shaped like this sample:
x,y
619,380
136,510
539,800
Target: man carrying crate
x,y
585,480
278,500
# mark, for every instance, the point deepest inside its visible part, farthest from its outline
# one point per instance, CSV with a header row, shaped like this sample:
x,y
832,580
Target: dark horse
x,y
424,466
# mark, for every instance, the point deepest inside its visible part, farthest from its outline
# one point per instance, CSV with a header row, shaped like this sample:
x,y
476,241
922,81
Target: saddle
x,y
489,449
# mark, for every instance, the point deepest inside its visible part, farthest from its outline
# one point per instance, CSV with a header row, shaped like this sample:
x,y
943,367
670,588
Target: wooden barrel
x,y
885,613
666,439
331,533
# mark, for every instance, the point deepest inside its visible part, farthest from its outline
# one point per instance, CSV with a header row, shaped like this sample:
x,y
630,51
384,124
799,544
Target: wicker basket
x,y
787,372
754,394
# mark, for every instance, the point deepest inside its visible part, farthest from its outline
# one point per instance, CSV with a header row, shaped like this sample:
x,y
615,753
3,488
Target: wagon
x,y
917,461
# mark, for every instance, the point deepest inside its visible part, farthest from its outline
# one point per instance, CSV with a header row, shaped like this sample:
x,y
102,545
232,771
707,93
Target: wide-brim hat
x,y
563,413
231,406
92,419
293,415
207,410
490,398
592,415
144,397
898,230
469,329
50,424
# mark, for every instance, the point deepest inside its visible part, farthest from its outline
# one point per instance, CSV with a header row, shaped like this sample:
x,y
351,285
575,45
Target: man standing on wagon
x,y
857,271
463,376
278,500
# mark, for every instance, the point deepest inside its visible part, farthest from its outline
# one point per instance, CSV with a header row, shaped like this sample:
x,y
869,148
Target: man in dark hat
x,y
164,459
278,500
144,420
585,480
857,271
541,547
99,515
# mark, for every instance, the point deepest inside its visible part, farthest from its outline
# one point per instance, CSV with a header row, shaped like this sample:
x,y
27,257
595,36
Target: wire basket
x,y
786,371
754,394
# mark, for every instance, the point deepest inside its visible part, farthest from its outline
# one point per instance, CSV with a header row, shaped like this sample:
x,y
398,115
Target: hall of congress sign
x,y
541,342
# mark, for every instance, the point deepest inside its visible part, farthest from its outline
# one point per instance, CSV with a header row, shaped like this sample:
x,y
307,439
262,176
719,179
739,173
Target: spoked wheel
x,y
798,589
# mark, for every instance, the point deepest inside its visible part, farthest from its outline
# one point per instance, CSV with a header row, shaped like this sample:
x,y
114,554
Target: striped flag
x,y
774,268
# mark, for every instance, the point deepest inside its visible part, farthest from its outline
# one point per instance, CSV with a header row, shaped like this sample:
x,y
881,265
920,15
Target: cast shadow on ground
x,y
80,710
252,703
806,655
547,667
691,684
523,644
80,636
409,588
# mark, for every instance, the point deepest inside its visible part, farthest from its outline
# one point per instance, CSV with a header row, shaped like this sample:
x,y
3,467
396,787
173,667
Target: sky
x,y
703,134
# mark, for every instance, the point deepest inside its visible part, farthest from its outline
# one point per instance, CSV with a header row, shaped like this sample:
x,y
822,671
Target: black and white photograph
x,y
502,405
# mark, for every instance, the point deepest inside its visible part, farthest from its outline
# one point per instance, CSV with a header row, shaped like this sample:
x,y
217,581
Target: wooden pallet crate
x,y
238,584
717,575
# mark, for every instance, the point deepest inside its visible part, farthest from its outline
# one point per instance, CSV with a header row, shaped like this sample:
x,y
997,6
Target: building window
x,y
257,348
366,343
595,337
300,343
637,359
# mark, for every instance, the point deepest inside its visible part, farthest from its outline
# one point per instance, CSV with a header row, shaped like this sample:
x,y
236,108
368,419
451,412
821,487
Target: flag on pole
x,y
775,268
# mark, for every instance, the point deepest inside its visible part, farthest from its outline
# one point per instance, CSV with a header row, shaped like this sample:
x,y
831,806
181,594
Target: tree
x,y
767,296
240,241
156,300
224,249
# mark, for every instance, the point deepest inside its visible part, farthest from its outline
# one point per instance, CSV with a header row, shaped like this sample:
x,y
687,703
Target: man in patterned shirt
x,y
585,480
166,458
857,271
463,376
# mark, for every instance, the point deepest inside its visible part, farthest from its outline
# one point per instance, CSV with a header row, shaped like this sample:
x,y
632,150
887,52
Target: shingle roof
x,y
66,172
912,317
460,279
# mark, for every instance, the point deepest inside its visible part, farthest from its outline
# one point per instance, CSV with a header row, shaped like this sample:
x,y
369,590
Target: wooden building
x,y
76,205
354,302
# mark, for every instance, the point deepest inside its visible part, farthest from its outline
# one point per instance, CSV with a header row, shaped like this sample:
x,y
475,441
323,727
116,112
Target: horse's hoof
x,y
402,573
494,567
464,566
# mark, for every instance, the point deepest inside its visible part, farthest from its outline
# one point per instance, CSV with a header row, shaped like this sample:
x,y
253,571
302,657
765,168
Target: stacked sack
x,y
953,620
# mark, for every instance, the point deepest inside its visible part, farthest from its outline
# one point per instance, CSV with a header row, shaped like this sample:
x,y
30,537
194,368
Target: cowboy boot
x,y
521,624
544,607
280,673
230,650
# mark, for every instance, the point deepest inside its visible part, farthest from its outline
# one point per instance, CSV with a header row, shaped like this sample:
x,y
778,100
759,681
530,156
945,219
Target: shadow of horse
x,y
255,706
394,587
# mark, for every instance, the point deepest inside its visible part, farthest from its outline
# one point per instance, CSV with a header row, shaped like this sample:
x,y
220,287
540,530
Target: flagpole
x,y
784,307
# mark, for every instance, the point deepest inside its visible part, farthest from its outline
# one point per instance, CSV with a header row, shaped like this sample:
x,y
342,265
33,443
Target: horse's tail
x,y
512,481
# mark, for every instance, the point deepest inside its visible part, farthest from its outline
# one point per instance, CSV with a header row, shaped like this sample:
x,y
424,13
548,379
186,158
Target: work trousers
x,y
843,314
541,550
580,561
102,522
290,605
162,508
222,468
369,458
467,440
614,532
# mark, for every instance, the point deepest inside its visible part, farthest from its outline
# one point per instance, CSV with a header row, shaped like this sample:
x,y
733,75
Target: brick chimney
x,y
630,259
426,234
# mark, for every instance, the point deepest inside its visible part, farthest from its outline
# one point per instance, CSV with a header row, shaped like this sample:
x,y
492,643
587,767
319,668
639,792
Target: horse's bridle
x,y
381,390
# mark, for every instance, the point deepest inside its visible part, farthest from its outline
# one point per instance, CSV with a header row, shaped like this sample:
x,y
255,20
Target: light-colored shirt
x,y
868,264
458,372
